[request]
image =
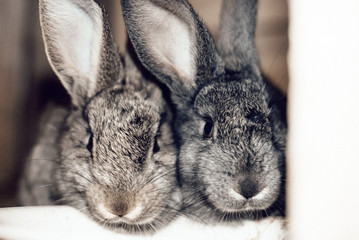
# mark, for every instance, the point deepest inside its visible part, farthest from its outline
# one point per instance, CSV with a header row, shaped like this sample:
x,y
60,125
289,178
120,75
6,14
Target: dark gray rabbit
x,y
230,122
112,155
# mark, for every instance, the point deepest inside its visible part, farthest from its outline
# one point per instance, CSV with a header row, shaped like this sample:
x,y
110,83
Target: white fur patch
x,y
235,195
105,213
135,213
262,194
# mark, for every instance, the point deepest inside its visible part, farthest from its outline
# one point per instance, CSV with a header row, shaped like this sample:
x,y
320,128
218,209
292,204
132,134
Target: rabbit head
x,y
231,131
116,157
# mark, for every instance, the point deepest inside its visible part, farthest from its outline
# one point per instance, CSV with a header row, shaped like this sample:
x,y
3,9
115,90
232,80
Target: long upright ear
x,y
172,42
236,43
79,46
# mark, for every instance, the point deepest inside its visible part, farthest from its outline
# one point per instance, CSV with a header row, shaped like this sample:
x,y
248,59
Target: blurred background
x,y
27,82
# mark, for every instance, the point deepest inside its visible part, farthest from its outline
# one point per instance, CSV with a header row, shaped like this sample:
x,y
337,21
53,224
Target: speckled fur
x,y
249,134
101,150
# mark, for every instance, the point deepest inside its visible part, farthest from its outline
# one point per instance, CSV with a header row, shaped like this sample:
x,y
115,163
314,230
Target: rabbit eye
x,y
90,141
89,144
156,147
255,117
208,129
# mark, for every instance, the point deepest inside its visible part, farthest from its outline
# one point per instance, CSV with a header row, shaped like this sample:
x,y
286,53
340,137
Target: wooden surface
x,y
63,222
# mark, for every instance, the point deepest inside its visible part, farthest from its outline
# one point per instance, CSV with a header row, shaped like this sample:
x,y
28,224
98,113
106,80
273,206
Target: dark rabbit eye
x,y
90,141
89,144
208,129
255,117
156,147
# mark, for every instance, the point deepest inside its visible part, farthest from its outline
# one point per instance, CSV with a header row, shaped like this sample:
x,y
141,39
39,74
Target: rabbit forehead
x,y
126,120
121,107
125,129
230,99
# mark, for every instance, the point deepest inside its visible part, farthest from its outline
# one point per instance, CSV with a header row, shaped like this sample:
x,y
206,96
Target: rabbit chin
x,y
234,202
134,217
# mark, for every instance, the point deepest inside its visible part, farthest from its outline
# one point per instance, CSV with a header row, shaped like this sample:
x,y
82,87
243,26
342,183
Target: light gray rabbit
x,y
112,155
230,121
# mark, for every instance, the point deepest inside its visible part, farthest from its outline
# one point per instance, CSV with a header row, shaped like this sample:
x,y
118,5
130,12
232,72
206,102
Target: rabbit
x,y
110,155
230,122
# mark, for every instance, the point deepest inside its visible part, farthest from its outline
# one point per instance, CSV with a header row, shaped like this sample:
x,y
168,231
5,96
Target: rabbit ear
x,y
236,43
171,42
79,46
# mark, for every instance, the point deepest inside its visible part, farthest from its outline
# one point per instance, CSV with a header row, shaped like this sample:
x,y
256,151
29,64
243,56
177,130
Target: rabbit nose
x,y
119,209
248,188
120,204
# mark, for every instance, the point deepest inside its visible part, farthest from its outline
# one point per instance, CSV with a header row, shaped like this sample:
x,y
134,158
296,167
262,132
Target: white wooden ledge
x,y
62,222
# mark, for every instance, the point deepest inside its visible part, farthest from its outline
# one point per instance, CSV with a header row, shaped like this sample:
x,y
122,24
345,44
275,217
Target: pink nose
x,y
120,204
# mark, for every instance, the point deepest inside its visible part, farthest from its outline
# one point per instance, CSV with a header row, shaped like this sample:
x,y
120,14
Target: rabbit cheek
x,y
72,175
231,186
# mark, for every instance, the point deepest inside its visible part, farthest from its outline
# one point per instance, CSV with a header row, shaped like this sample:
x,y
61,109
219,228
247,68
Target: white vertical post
x,y
323,163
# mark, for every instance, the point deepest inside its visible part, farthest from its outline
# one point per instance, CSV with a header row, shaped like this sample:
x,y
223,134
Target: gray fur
x,y
239,170
236,37
113,151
